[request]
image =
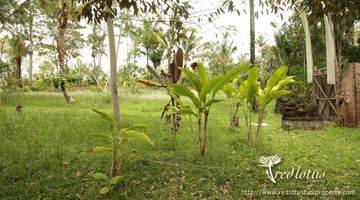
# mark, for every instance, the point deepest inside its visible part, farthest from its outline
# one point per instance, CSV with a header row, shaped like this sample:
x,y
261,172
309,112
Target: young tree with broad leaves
x,y
105,10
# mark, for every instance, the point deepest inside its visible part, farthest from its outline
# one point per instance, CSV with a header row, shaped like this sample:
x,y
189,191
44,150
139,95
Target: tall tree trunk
x,y
252,32
18,60
252,41
113,80
62,24
113,71
18,70
31,45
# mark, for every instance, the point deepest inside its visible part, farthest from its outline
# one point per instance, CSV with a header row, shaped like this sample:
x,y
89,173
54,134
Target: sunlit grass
x,y
45,152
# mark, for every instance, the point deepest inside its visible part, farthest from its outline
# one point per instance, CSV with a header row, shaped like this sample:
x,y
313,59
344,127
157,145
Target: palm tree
x,y
219,54
252,32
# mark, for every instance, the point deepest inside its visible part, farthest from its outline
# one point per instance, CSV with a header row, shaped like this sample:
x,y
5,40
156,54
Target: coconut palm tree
x,y
252,32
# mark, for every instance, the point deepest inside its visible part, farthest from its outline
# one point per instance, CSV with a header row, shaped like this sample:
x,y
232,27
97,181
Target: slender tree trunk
x,y
260,120
62,25
249,127
147,57
18,70
113,80
31,46
234,120
114,160
252,32
113,70
173,118
202,132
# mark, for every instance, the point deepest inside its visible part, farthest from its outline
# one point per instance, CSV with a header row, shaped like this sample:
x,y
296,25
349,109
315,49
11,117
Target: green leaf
x,y
104,190
253,75
209,87
107,117
276,94
100,176
139,126
201,71
183,91
192,77
261,98
116,179
159,39
277,76
137,136
176,98
229,90
231,74
286,81
212,101
102,150
252,85
243,89
218,82
184,110
136,127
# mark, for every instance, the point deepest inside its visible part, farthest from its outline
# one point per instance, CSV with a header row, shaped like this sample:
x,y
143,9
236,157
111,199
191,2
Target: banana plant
x,y
204,97
272,91
116,138
247,96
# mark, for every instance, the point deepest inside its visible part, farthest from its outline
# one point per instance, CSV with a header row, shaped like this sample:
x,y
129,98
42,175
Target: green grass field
x,y
46,152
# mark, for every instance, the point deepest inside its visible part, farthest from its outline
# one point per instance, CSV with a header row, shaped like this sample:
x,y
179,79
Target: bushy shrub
x,y
40,85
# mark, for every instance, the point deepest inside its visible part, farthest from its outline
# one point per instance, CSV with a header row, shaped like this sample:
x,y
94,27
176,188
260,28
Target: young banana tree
x,y
272,91
247,95
116,138
206,89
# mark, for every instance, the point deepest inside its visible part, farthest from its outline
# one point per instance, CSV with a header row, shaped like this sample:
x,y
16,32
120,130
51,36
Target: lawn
x,y
46,152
